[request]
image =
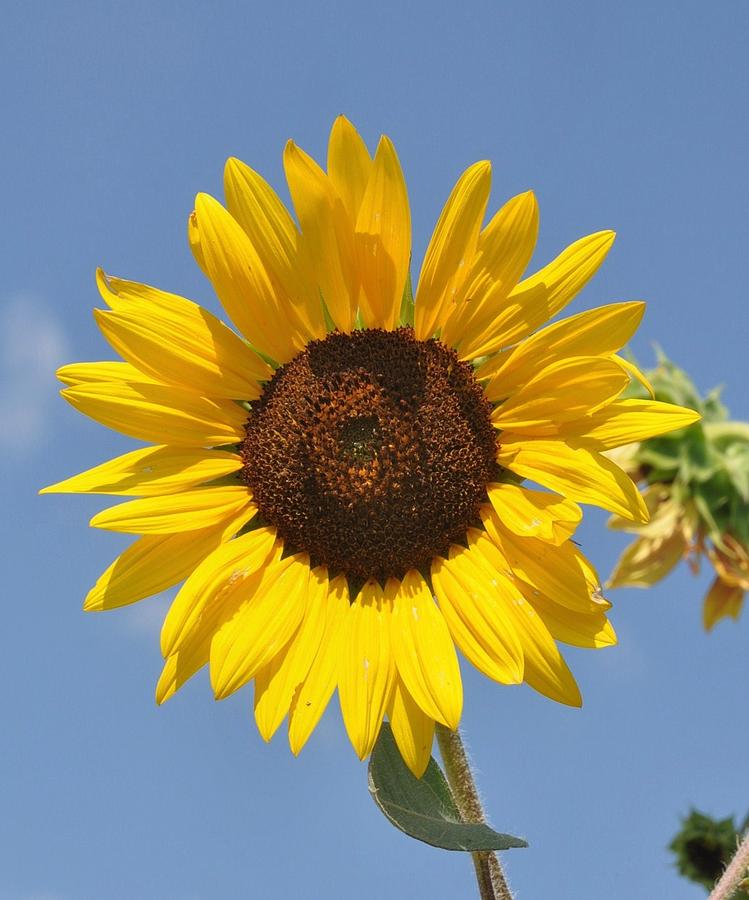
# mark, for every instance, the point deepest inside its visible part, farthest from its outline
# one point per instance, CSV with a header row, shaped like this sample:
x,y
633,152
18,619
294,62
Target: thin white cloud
x,y
146,617
32,346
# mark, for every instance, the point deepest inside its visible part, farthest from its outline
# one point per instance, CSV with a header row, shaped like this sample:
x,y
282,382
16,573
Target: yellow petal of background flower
x,y
383,240
310,700
160,414
277,682
327,232
186,511
274,235
413,729
224,569
648,560
584,476
541,296
451,249
92,372
150,471
154,563
186,346
528,513
367,668
241,282
480,625
595,332
722,600
349,165
564,390
262,628
504,250
423,650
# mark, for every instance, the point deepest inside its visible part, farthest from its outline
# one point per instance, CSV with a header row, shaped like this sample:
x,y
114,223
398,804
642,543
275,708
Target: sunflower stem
x,y
489,875
734,874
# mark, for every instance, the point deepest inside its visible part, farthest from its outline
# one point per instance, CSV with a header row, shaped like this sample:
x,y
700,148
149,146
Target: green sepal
x,y
424,808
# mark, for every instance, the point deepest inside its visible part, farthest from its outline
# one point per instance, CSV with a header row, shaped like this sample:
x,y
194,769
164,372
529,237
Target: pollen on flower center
x,y
371,451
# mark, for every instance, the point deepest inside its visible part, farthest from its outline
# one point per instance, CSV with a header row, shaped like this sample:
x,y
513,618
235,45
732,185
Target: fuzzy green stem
x,y
736,871
489,875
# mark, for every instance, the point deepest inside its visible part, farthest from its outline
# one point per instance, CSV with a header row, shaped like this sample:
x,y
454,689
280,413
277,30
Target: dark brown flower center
x,y
371,451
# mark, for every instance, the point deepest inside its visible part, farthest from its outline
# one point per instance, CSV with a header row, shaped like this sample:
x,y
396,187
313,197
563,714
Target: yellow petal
x,y
626,421
584,476
580,629
216,610
648,560
150,471
722,600
193,239
595,332
451,249
186,511
241,282
541,296
273,234
313,695
527,513
327,233
277,682
179,669
92,372
367,668
564,390
349,165
423,650
155,563
383,240
555,571
480,625
223,570
413,729
160,414
262,627
504,250
631,369
185,346
545,669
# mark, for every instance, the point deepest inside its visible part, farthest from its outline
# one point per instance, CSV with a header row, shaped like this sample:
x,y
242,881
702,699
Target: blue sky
x,y
625,116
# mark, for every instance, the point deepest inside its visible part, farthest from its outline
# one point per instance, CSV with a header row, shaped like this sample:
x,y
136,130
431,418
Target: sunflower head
x,y
335,473
697,488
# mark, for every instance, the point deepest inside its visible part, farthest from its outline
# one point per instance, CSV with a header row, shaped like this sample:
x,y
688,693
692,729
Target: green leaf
x,y
424,808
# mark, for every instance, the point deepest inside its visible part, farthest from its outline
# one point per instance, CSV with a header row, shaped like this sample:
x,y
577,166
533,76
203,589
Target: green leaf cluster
x,y
707,464
704,846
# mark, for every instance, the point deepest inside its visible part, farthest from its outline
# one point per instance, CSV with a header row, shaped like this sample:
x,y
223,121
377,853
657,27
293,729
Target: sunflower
x,y
338,482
